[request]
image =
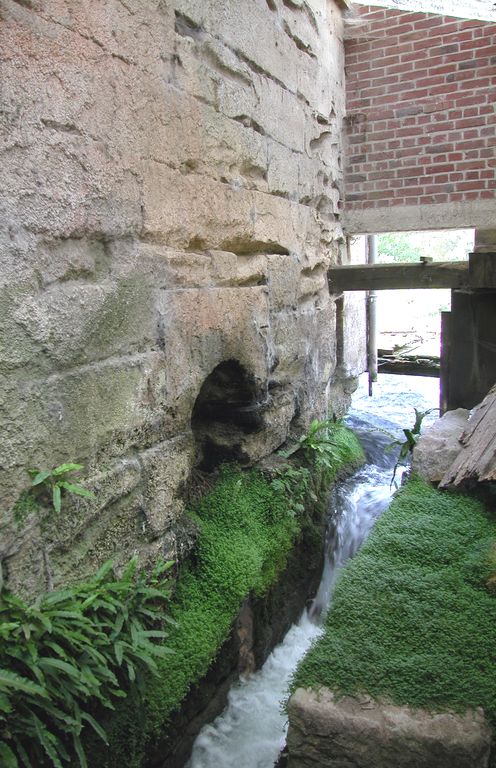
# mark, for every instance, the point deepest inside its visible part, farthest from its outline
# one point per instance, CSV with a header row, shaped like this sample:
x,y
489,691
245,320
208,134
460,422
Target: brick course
x,y
421,109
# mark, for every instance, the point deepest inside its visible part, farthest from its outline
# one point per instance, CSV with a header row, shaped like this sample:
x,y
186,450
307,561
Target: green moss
x,y
349,452
245,536
25,505
412,620
246,532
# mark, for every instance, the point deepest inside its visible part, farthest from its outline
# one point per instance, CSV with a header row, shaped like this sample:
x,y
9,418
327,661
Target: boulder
x,y
439,445
363,733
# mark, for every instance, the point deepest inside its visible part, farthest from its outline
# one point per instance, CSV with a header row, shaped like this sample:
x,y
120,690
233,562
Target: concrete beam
x,y
461,215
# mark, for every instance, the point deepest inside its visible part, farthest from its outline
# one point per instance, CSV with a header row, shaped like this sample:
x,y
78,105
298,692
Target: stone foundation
x,y
171,175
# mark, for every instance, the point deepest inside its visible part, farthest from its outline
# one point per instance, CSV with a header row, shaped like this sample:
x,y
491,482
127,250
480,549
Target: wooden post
x,y
482,270
444,373
472,365
372,317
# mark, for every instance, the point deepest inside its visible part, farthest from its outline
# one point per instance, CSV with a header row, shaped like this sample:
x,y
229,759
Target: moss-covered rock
x,y
247,532
412,620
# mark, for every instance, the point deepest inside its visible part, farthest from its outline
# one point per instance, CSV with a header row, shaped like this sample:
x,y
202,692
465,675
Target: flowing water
x,y
252,729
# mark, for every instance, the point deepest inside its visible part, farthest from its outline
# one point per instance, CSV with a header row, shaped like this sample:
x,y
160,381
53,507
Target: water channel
x,y
252,729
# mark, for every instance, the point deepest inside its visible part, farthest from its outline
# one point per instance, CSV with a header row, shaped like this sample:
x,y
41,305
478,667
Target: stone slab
x,y
362,733
454,215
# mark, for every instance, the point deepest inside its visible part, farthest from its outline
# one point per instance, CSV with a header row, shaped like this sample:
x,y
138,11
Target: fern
x,y
69,656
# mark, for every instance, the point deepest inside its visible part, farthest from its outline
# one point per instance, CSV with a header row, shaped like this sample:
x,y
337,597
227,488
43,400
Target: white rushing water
x,y
252,729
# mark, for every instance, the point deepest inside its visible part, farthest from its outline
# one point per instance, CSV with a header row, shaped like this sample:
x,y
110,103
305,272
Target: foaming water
x,y
355,506
252,729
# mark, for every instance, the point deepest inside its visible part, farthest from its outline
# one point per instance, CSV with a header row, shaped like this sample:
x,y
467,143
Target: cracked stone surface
x,y
171,176
361,733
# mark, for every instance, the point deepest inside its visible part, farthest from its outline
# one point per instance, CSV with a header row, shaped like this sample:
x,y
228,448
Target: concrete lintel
x,y
458,215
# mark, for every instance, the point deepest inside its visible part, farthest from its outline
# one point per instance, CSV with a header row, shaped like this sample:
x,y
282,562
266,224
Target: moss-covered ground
x,y
412,619
246,530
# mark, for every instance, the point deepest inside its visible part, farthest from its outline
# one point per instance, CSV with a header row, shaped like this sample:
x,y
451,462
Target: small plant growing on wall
x,y
47,489
51,483
326,446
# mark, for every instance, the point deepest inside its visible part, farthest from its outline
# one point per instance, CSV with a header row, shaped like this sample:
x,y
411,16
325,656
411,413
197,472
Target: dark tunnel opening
x,y
226,410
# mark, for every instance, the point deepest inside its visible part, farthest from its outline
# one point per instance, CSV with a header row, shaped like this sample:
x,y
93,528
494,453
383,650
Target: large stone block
x,y
113,405
266,105
223,216
304,354
249,30
223,149
201,329
116,535
170,183
166,468
363,733
439,445
73,323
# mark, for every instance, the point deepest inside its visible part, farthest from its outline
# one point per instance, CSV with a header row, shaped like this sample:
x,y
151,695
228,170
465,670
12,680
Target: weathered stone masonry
x,y
421,123
171,175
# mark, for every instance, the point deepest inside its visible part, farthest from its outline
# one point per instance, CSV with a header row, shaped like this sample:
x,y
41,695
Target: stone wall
x,y
171,174
421,125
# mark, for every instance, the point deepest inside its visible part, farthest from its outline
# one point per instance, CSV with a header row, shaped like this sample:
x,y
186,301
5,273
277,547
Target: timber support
x,y
387,277
468,344
478,273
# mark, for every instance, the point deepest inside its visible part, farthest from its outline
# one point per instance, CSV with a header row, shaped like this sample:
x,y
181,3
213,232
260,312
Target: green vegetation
x,y
71,654
245,536
320,455
66,660
413,619
398,247
407,445
47,489
54,481
451,245
247,527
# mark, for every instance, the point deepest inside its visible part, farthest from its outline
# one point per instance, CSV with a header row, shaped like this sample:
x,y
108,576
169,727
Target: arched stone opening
x,y
226,410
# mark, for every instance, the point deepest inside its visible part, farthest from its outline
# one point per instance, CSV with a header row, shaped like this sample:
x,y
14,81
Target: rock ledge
x,y
363,733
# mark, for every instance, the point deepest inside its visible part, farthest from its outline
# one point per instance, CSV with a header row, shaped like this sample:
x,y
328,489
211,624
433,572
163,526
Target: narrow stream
x,y
252,729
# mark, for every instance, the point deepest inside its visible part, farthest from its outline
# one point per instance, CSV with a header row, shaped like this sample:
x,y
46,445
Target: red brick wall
x,y
421,110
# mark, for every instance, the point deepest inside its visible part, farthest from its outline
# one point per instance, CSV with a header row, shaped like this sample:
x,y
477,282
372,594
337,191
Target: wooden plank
x,y
482,270
476,461
411,365
381,277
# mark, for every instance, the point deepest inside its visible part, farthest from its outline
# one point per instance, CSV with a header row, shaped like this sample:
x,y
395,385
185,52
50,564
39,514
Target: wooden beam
x,y
482,270
381,277
409,365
